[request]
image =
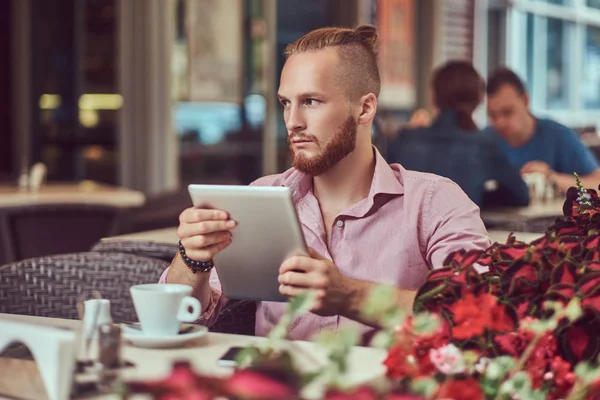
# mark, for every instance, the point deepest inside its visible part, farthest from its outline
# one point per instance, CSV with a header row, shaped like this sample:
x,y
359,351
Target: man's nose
x,y
295,120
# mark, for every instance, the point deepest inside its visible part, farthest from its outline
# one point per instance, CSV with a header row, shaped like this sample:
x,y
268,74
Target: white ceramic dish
x,y
138,338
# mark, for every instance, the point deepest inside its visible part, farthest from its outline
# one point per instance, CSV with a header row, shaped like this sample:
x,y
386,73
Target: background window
x,y
559,2
590,85
530,52
557,55
593,3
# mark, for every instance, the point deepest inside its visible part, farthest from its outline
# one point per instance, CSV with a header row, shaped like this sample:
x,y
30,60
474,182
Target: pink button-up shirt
x,y
407,225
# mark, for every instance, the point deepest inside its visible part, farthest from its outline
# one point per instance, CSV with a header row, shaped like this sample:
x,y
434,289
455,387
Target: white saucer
x,y
138,338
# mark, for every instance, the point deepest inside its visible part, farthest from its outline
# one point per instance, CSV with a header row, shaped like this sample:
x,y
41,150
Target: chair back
x,y
51,286
46,229
144,248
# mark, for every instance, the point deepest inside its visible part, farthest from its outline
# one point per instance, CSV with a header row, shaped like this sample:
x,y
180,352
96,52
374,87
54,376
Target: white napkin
x,y
53,350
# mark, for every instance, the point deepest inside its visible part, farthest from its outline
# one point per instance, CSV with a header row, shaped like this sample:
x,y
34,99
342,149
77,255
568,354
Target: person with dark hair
x,y
454,147
365,221
536,144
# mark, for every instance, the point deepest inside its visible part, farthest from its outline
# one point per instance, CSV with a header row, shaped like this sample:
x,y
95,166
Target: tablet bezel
x,y
242,274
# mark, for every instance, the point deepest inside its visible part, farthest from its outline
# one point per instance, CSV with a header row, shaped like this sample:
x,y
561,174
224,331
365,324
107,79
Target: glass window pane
x,y
556,73
530,51
76,136
218,114
559,2
590,86
593,3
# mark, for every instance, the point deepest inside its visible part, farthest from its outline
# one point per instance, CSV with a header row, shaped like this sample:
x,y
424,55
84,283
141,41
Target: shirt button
x,y
340,223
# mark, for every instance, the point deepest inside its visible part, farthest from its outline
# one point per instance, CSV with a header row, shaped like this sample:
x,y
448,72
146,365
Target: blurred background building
x,y
155,94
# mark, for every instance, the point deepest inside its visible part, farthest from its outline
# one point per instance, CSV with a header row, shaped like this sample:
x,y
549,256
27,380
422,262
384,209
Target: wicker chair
x,y
45,229
161,251
237,316
51,286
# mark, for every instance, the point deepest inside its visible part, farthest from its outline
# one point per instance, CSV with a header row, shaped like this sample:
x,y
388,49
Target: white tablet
x,y
267,232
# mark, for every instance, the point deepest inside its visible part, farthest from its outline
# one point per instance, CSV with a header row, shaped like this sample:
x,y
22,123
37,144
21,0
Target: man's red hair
x,y
357,50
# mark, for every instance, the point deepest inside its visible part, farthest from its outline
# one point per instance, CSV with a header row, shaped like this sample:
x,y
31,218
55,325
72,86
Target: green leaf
x,y
247,357
553,305
520,380
499,367
425,323
490,387
392,319
382,340
573,310
519,386
296,306
302,303
540,326
432,293
339,344
380,299
280,330
470,357
587,373
582,369
343,338
425,387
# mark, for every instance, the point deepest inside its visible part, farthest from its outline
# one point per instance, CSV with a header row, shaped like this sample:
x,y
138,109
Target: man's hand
x,y
536,166
300,273
204,233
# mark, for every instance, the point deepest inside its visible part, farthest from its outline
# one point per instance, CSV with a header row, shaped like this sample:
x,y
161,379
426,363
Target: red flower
x,y
248,384
460,389
409,356
514,343
181,383
401,362
472,315
563,377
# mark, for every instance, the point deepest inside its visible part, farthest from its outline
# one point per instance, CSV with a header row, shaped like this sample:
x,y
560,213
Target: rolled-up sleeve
x,y
453,223
217,300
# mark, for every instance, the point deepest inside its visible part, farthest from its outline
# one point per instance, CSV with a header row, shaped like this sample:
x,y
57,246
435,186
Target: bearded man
x,y
365,222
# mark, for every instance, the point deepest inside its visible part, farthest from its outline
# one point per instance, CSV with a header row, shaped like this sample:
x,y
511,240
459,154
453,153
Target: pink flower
x,y
482,364
448,359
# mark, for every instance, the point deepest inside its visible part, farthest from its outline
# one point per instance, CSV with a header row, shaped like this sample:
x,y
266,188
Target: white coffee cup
x,y
161,307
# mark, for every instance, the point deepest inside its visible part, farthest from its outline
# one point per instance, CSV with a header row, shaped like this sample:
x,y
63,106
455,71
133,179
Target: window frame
x,y
578,16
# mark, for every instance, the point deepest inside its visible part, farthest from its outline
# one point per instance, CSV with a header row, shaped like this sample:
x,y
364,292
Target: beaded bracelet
x,y
193,265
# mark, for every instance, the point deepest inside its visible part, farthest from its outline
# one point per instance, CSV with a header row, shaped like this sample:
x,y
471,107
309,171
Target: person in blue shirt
x,y
454,147
535,144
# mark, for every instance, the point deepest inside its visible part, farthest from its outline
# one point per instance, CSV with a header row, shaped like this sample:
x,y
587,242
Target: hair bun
x,y
368,36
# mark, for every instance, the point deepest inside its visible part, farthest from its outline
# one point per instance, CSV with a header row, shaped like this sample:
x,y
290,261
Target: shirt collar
x,y
385,182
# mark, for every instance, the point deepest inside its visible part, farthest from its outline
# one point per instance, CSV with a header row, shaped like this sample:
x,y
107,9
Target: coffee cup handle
x,y
184,313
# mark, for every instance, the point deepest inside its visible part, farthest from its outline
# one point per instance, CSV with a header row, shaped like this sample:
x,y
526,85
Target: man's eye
x,y
311,102
284,103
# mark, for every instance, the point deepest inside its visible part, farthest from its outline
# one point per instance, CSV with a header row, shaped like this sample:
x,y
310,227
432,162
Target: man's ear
x,y
368,108
526,99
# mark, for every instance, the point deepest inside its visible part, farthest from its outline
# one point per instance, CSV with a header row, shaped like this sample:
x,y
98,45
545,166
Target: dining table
x,y
533,218
165,235
365,364
85,192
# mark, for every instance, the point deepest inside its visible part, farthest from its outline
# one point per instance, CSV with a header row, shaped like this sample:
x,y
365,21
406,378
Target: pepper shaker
x,y
109,346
